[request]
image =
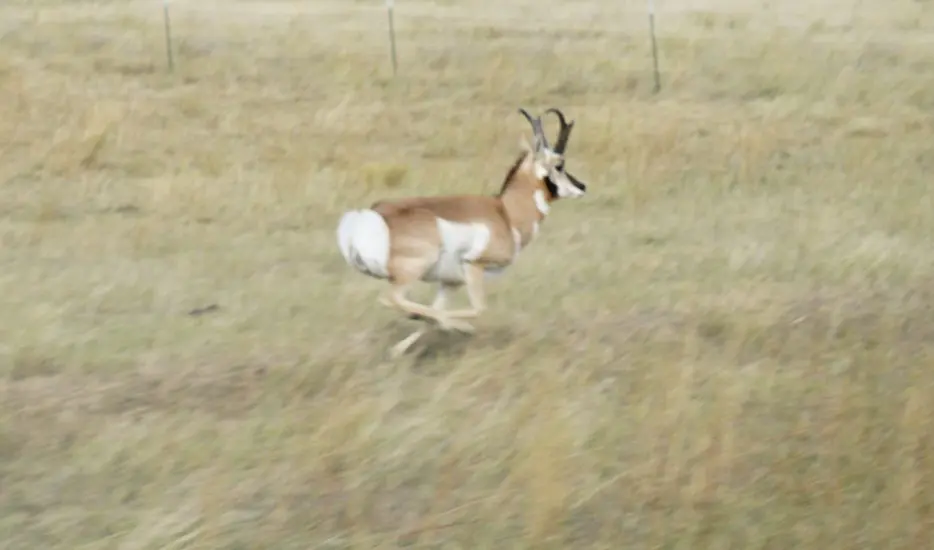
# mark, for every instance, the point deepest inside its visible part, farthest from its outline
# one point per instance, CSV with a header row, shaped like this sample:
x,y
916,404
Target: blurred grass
x,y
727,344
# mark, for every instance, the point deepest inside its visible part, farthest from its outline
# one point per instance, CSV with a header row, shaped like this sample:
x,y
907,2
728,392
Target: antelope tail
x,y
363,238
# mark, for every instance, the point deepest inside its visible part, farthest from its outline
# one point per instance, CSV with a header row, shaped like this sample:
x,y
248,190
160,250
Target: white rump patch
x,y
363,238
541,203
460,242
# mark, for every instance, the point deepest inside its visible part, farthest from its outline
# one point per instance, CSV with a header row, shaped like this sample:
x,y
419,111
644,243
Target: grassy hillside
x,y
728,344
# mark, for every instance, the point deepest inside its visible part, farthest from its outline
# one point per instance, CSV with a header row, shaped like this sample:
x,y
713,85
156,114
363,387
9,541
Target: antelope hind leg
x,y
403,345
396,298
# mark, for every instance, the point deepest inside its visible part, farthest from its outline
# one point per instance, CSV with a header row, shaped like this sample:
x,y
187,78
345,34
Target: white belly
x,y
460,243
493,272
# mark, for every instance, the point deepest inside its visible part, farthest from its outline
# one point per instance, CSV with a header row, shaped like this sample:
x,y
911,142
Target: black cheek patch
x,y
552,188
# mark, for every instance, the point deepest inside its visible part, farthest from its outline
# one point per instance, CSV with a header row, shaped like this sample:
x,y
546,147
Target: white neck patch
x,y
540,171
541,203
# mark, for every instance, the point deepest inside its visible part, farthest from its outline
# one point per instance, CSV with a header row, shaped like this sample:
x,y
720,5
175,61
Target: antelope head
x,y
548,161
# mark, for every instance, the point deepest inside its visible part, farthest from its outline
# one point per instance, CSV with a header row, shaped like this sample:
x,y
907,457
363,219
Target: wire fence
x,y
692,20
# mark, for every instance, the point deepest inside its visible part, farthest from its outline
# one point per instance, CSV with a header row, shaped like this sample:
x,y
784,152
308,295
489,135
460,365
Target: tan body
x,y
497,229
451,240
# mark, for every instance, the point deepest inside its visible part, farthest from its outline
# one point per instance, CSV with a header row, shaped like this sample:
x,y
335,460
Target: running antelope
x,y
454,240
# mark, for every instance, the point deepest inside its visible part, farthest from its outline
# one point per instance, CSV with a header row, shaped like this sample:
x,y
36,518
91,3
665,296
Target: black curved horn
x,y
565,132
536,127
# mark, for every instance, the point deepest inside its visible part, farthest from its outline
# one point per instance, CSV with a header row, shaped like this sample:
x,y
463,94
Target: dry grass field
x,y
729,343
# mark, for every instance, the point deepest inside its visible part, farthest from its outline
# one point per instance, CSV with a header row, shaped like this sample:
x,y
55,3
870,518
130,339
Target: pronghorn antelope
x,y
454,240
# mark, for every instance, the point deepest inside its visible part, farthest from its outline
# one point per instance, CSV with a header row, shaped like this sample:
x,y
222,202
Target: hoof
x,y
458,325
417,317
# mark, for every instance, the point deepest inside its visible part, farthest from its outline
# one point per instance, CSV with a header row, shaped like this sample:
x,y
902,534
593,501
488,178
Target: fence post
x,y
392,36
168,35
658,82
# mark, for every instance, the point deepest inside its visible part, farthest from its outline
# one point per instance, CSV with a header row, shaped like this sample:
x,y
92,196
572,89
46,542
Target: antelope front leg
x,y
473,277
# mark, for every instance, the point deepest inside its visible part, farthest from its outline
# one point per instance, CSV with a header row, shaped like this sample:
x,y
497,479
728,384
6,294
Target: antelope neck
x,y
526,206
